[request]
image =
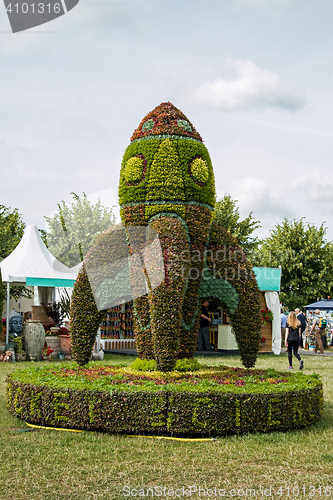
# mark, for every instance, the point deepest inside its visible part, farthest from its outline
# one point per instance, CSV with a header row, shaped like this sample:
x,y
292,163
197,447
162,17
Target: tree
x,y
306,259
72,231
11,231
226,214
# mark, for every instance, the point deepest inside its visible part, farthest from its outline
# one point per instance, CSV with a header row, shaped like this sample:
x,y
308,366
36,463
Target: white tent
x,y
32,264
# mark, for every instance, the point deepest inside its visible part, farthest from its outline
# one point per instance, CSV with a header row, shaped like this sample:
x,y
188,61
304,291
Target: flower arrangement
x,y
263,340
266,315
47,351
63,331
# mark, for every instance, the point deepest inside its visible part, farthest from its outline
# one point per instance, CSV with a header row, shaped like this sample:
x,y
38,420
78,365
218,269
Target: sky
x,y
253,76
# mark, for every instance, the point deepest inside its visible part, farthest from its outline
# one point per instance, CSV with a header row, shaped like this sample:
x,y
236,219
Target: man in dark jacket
x,y
301,318
203,339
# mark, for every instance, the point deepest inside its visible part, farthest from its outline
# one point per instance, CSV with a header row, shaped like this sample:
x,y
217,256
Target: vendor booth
x,y
117,324
269,283
326,311
32,264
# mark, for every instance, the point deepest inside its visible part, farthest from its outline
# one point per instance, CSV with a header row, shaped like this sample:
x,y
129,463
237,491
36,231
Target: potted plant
x,y
262,341
20,353
47,351
266,315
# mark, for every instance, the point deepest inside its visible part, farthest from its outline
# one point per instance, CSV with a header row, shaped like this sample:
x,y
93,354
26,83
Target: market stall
x,y
326,311
32,264
269,282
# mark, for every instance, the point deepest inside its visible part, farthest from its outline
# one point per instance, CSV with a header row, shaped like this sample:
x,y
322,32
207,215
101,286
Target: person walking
x,y
203,339
283,326
293,336
302,319
318,333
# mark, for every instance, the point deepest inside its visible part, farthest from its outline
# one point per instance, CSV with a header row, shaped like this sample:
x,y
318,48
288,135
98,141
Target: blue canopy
x,y
325,305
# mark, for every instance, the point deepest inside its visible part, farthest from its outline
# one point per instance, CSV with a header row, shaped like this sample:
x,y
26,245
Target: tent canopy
x,y
268,278
321,305
32,264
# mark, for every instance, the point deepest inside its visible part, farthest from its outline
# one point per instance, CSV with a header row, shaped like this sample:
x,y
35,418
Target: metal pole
x,y
7,313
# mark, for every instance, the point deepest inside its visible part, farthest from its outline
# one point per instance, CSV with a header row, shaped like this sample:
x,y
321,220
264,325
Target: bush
x,y
144,365
187,365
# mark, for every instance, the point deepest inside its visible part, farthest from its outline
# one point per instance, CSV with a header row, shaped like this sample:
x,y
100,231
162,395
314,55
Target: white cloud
x,y
316,188
253,88
264,5
254,195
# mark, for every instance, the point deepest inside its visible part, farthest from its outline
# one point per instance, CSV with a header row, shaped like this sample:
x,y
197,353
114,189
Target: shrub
x,y
187,365
144,365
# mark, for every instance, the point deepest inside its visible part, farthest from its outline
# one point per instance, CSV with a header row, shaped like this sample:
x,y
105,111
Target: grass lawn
x,y
54,465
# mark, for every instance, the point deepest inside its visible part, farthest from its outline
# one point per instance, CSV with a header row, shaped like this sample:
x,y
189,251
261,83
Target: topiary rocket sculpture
x,y
167,186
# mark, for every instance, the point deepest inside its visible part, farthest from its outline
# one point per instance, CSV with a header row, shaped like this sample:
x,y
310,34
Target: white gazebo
x,y
32,264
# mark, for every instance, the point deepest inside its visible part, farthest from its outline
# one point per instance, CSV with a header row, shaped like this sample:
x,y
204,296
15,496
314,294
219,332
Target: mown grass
x,y
52,465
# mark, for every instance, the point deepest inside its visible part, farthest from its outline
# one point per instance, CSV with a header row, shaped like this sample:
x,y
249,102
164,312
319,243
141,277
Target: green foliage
x,y
2,293
213,288
19,344
65,301
174,192
182,365
144,365
162,181
85,319
225,260
11,230
166,300
226,215
56,312
306,259
213,401
187,365
165,176
134,169
74,228
199,170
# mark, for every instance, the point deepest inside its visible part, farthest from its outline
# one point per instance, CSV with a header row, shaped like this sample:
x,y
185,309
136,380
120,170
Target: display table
x,y
112,344
226,339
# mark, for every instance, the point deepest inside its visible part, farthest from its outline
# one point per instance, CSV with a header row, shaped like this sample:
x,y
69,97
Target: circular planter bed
x,y
210,401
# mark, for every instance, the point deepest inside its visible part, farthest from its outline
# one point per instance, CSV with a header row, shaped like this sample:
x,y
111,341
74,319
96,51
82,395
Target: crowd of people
x,y
292,328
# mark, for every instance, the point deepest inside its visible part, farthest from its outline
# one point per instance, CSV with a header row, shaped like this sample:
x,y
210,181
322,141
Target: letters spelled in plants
x,y
216,400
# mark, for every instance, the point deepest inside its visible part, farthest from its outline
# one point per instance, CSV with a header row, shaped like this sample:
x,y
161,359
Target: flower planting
x,y
207,401
266,315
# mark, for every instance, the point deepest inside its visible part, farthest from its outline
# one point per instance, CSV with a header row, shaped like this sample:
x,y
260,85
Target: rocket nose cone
x,y
166,119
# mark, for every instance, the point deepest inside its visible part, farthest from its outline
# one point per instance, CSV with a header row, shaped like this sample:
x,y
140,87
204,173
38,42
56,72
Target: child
x,y
293,338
